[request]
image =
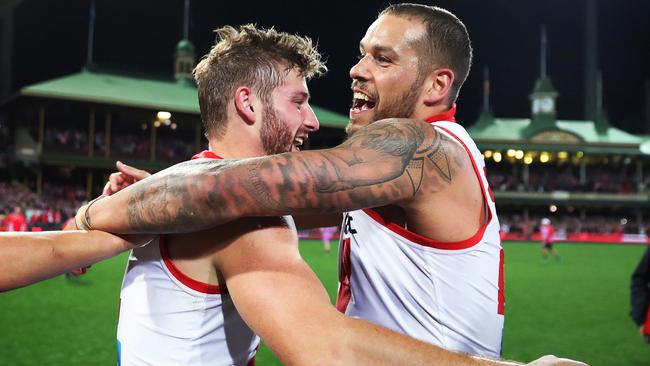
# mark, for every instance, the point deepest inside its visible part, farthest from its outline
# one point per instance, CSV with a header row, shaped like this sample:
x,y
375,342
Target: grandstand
x,y
590,178
76,126
59,140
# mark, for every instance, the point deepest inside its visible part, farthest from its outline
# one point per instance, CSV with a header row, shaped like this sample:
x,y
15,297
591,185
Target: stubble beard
x,y
276,137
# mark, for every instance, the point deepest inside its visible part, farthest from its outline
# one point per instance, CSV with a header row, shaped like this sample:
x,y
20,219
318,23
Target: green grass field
x,y
576,308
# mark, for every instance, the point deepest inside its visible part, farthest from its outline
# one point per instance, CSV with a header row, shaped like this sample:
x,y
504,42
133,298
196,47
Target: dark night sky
x,y
50,41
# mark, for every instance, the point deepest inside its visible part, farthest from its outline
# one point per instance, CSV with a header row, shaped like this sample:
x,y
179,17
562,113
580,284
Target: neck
x,y
426,112
237,144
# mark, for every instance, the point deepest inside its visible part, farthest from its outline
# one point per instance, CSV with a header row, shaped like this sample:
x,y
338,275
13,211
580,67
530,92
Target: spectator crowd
x,y
23,210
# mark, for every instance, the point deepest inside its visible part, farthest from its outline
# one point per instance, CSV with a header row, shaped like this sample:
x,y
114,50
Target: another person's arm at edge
x,y
31,257
639,289
381,164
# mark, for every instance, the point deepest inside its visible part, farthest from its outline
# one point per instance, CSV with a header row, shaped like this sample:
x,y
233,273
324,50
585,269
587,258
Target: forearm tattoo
x,y
384,163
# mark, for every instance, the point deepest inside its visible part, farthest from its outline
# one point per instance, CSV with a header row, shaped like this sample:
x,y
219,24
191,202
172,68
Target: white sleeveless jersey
x,y
448,294
167,318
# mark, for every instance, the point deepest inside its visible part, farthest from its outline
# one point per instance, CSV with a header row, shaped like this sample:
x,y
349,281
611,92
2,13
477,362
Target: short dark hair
x,y
258,58
446,42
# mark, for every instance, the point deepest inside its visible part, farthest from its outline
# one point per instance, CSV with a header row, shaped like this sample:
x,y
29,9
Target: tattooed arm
x,y
381,164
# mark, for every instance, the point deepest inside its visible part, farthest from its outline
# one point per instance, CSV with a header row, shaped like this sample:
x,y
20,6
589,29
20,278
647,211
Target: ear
x,y
244,99
437,86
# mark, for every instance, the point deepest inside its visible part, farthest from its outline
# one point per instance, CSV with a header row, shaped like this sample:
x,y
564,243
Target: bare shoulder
x,y
258,243
432,160
393,136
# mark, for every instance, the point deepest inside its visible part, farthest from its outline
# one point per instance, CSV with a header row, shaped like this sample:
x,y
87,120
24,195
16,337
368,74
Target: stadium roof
x,y
573,135
140,92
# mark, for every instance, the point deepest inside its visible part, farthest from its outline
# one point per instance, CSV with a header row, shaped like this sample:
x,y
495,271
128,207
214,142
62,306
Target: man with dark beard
x,y
427,260
202,298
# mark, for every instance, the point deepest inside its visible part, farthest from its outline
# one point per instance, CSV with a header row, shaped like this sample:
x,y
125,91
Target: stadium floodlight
x,y
552,208
528,159
173,126
511,153
497,157
519,154
544,157
580,154
562,155
156,124
163,115
487,154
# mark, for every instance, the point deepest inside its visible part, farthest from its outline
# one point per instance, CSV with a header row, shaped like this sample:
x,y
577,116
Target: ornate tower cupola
x,y
185,54
544,94
185,59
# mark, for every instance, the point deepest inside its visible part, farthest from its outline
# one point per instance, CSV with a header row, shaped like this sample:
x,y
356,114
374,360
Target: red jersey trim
x,y
428,242
449,116
423,240
206,154
186,280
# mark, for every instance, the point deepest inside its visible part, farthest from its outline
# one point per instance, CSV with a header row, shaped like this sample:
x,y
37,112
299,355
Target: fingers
x,y
70,225
107,189
124,177
116,182
127,170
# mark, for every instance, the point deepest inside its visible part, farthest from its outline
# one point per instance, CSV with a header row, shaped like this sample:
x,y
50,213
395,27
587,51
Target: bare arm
x,y
381,164
283,301
31,257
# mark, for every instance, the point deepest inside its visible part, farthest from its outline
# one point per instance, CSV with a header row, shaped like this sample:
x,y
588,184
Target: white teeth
x,y
298,141
358,95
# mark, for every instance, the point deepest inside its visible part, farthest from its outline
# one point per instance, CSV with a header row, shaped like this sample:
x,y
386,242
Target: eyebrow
x,y
302,94
380,49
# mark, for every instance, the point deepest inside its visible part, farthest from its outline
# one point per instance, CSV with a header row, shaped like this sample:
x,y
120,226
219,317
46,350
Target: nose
x,y
310,121
359,71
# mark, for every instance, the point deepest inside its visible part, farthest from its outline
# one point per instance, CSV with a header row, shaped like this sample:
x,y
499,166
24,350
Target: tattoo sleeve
x,y
384,163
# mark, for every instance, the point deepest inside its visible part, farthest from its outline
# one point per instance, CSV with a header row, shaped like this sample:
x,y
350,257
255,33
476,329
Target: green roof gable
x,y
491,132
139,92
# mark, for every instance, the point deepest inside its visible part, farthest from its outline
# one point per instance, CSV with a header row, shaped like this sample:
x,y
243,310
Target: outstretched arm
x,y
282,300
31,257
381,164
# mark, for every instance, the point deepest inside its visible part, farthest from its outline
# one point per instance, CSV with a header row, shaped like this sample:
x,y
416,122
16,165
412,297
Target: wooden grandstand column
x,y
89,185
583,172
639,175
41,129
525,176
39,148
39,182
152,145
91,133
107,135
